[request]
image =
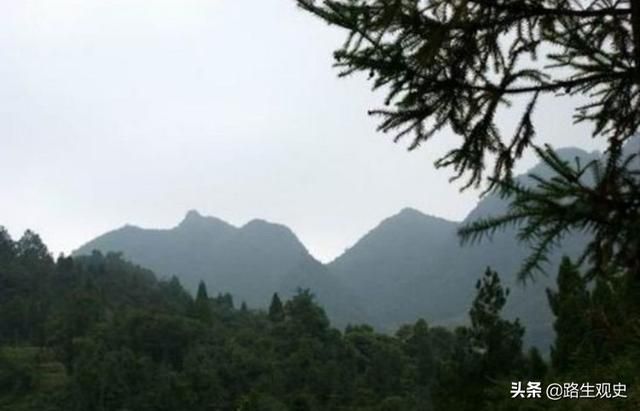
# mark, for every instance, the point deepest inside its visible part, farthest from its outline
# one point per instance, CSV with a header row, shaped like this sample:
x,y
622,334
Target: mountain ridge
x,y
409,266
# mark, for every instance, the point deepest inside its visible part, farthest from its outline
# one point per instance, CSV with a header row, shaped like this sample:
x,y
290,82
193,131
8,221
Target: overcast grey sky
x,y
135,111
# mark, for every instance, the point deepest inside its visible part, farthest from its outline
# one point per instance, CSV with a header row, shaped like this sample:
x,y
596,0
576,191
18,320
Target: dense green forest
x,y
98,333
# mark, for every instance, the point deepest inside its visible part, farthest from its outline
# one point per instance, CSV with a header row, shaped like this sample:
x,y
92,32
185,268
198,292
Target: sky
x,y
117,112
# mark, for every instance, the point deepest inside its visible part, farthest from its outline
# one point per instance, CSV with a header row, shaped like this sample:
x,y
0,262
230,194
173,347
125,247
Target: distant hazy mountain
x,y
410,266
251,262
386,264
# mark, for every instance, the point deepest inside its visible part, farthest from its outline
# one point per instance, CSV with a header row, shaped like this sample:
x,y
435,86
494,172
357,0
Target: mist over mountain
x,y
409,266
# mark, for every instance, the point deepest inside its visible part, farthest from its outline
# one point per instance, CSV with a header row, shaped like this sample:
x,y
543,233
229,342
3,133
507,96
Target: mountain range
x,y
410,266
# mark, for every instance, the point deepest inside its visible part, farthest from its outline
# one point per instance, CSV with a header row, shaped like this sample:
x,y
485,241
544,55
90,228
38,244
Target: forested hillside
x,y
97,333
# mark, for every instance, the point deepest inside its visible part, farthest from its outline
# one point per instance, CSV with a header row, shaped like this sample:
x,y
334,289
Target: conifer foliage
x,y
570,305
600,198
459,63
